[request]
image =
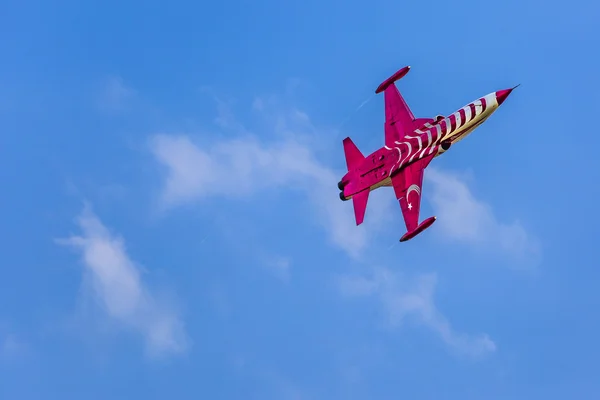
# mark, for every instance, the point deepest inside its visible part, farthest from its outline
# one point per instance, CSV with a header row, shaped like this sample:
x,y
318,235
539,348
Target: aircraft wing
x,y
399,119
398,116
407,187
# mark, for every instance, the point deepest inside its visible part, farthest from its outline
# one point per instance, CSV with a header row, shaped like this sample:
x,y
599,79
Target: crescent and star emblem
x,y
412,188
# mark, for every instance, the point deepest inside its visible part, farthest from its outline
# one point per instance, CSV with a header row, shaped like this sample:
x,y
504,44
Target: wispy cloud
x,y
280,267
464,218
117,286
403,299
194,172
11,347
115,95
271,383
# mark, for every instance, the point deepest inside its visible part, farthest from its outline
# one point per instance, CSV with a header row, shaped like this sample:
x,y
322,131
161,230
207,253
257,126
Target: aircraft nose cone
x,y
501,95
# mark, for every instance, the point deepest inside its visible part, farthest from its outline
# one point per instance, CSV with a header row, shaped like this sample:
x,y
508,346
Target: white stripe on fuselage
x,y
463,128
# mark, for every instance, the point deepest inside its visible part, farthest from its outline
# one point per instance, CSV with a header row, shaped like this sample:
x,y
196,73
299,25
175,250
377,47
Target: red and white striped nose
x,y
501,95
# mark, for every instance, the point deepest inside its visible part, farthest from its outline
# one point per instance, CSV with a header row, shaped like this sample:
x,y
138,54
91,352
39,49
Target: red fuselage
x,y
434,136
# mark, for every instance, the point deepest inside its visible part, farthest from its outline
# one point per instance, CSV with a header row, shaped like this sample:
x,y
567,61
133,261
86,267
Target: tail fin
x,y
353,155
359,201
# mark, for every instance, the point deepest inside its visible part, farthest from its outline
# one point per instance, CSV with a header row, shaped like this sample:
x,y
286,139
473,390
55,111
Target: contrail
x,y
355,111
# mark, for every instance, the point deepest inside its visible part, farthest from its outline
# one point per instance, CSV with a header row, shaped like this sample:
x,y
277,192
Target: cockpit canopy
x,y
438,118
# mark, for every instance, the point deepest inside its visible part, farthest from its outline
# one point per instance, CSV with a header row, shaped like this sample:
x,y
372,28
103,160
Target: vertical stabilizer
x,y
353,155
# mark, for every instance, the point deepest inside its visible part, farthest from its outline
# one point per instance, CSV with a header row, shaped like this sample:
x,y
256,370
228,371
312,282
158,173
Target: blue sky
x,y
171,225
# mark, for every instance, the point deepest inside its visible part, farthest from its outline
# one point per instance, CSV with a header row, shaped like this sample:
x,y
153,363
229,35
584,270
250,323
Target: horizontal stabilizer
x,y
359,201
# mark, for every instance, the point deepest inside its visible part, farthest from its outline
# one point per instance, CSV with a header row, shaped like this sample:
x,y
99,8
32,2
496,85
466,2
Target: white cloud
x,y
404,299
258,104
117,287
270,382
115,95
464,218
245,166
219,299
11,347
280,267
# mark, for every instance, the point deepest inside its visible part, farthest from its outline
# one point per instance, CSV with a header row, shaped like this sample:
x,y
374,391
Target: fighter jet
x,y
410,145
